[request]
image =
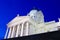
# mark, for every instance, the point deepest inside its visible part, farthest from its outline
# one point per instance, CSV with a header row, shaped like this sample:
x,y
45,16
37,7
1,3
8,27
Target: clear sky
x,y
10,8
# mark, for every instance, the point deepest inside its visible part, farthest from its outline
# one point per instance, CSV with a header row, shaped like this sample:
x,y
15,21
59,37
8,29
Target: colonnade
x,y
17,30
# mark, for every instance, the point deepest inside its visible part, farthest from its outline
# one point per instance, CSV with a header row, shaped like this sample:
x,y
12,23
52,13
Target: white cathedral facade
x,y
31,24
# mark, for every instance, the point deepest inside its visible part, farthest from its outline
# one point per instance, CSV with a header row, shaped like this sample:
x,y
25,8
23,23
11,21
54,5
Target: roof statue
x,y
37,16
17,15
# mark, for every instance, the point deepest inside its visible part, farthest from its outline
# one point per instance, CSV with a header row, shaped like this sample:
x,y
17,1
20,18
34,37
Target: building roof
x,y
18,19
32,13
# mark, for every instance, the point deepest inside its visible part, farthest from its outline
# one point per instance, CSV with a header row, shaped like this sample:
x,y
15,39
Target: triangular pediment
x,y
18,19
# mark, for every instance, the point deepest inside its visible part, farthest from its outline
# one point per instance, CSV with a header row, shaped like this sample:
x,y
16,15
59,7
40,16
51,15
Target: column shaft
x,y
18,30
6,34
9,35
27,25
13,32
22,29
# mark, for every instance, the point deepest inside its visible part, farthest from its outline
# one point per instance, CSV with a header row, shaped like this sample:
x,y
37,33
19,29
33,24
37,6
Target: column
x,y
13,31
6,33
22,29
18,30
9,34
27,25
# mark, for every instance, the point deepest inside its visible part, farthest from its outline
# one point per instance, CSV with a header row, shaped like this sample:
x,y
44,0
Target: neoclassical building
x,y
31,24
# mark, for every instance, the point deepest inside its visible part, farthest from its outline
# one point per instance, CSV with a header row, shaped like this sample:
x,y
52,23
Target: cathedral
x,y
31,24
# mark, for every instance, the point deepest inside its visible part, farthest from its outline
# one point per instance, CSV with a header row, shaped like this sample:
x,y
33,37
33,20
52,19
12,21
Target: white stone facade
x,y
31,24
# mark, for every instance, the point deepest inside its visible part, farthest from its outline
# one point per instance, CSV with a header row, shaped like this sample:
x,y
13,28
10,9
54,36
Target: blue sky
x,y
10,8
